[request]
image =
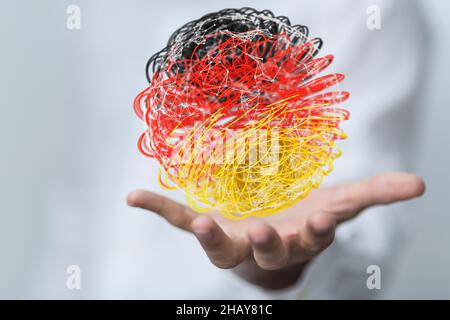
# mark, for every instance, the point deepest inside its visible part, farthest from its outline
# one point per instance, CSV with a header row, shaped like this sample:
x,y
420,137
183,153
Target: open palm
x,y
272,250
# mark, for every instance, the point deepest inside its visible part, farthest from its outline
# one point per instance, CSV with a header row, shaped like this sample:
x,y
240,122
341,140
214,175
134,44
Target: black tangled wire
x,y
187,38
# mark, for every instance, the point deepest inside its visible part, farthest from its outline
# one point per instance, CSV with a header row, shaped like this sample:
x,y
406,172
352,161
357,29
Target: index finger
x,y
175,213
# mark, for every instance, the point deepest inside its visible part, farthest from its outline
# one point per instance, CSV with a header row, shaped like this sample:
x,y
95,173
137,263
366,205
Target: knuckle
x,y
177,220
342,200
311,249
382,183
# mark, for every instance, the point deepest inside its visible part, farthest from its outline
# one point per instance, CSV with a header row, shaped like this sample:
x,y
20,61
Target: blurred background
x,y
69,155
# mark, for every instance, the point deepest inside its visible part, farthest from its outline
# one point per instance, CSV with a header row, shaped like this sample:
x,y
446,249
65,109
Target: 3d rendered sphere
x,y
239,113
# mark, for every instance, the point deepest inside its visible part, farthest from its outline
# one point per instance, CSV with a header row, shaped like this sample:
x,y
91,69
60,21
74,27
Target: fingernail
x,y
204,235
322,230
259,240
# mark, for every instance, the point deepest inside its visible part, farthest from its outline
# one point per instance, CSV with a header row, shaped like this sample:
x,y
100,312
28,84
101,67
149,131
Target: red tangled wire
x,y
249,81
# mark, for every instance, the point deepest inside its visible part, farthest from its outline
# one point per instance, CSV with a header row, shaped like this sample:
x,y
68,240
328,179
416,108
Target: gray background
x,y
47,74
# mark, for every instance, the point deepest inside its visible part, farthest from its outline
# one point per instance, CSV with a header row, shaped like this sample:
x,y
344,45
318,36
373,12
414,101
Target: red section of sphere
x,y
247,71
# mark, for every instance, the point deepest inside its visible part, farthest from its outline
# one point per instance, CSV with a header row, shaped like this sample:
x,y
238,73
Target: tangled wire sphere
x,y
237,115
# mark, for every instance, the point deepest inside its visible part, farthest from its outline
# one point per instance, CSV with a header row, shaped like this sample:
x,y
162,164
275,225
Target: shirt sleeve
x,y
384,69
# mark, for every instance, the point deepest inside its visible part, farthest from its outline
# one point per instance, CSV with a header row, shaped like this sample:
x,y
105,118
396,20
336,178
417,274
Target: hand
x,y
272,251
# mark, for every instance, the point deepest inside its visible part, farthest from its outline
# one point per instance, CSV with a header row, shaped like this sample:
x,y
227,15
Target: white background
x,y
48,72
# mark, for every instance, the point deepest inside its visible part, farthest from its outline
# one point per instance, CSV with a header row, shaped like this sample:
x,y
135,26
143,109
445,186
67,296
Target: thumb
x,y
351,199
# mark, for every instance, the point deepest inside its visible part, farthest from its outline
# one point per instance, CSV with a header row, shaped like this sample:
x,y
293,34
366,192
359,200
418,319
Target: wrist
x,y
270,279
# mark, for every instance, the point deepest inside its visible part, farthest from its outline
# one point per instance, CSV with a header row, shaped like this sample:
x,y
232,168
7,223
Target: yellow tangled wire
x,y
258,170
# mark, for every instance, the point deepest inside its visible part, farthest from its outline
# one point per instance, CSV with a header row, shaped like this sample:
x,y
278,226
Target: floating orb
x,y
239,114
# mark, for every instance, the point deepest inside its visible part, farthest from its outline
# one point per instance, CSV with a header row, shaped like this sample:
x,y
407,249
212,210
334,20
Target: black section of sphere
x,y
233,20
